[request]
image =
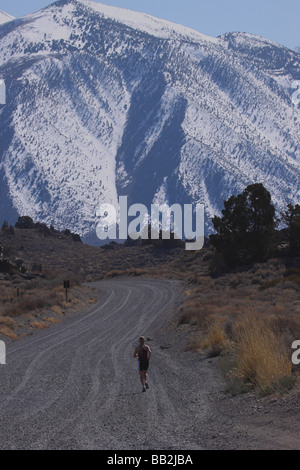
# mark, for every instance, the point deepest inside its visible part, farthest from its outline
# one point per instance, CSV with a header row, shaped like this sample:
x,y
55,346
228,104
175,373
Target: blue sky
x,y
278,20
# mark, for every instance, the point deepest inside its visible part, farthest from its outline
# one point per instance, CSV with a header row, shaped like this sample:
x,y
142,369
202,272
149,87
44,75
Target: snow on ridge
x,y
72,113
147,23
41,27
248,39
5,17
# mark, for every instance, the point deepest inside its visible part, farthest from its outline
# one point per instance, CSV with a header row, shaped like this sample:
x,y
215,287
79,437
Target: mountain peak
x,y
5,17
142,21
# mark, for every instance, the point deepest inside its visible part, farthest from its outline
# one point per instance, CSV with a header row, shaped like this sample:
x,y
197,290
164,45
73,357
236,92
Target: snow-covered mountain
x,y
297,49
5,17
103,101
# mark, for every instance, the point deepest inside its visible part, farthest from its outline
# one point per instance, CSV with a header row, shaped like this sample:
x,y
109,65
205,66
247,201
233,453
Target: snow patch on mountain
x,y
5,17
149,24
103,102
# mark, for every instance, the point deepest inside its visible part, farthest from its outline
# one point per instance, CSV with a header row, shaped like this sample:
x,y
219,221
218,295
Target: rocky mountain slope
x,y
103,102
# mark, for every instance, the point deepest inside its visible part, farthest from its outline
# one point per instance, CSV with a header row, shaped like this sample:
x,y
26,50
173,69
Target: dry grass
x,y
38,303
56,309
249,321
6,331
30,301
9,322
51,320
39,325
262,358
216,335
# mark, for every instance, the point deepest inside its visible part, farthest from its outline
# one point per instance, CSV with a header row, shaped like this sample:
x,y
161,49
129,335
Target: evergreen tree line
x,y
26,223
247,230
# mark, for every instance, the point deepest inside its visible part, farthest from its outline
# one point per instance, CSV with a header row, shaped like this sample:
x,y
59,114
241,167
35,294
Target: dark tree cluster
x,y
26,223
246,231
291,218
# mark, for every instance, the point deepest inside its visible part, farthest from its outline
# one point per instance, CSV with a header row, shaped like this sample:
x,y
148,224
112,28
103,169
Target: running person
x,y
143,352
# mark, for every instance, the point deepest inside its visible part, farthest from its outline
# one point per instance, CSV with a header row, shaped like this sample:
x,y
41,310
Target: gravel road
x,y
76,385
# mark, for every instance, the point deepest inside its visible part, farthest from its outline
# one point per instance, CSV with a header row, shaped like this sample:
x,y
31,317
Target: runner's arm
x,y
135,354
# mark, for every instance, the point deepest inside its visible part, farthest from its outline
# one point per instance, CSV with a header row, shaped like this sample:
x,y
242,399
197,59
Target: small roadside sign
x,y
66,286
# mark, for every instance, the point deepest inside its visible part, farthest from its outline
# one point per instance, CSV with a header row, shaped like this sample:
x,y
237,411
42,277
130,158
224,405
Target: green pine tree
x,y
245,231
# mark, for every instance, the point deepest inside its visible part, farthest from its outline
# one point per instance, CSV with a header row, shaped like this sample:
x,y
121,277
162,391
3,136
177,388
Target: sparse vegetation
x,y
245,313
250,328
35,260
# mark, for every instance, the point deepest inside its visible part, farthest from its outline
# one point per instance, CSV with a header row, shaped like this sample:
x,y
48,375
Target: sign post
x,y
66,286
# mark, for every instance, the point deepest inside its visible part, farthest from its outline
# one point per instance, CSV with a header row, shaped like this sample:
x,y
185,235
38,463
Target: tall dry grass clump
x,y
216,336
260,355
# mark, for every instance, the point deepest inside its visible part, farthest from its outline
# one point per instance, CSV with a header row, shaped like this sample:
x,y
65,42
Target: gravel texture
x,y
76,385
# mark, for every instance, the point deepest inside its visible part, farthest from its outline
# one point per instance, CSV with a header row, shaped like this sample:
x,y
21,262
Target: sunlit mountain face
x,y
103,102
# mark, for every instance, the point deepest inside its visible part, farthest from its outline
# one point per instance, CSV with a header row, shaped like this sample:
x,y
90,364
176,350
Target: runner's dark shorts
x,y
144,365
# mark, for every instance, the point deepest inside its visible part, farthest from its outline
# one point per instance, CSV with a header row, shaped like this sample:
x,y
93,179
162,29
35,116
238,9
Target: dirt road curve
x,y
76,385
